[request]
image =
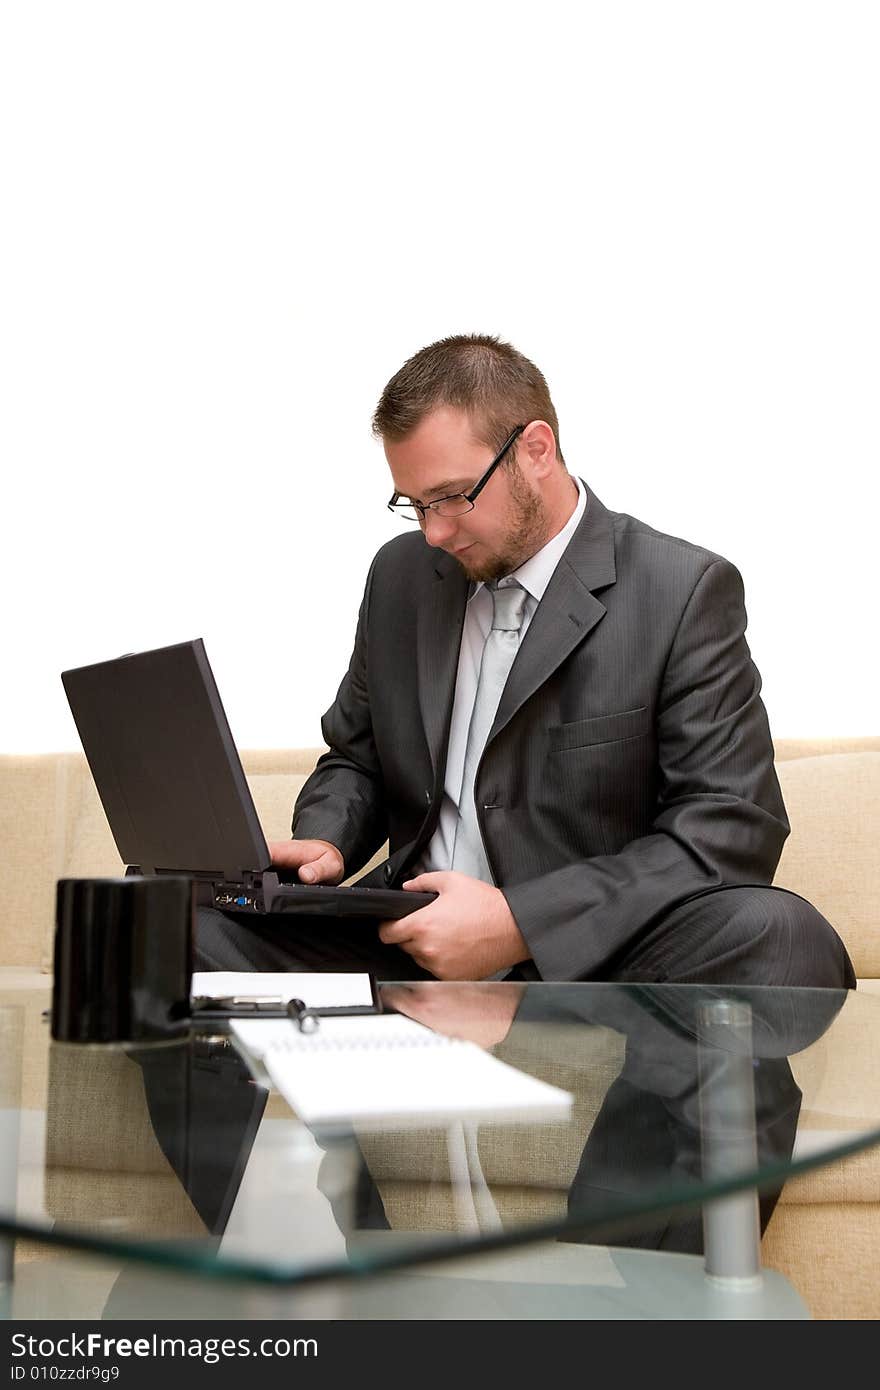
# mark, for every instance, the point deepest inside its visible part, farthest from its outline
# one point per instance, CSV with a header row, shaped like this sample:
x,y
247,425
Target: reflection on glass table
x,y
198,1192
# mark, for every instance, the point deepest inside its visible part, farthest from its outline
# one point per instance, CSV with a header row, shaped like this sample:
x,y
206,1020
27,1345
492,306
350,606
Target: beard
x,y
526,534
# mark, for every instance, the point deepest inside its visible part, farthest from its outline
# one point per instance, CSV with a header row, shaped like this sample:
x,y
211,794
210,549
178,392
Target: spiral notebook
x,y
388,1072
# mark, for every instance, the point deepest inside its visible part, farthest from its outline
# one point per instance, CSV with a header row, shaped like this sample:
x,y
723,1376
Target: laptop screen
x,y
165,765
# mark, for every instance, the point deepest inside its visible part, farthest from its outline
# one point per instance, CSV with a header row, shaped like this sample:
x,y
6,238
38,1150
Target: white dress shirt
x,y
534,576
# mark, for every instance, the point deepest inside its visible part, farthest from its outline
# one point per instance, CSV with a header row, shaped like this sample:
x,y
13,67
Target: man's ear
x,y
537,448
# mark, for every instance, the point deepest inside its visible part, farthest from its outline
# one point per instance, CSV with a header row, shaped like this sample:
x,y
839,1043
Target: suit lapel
x,y
440,623
567,612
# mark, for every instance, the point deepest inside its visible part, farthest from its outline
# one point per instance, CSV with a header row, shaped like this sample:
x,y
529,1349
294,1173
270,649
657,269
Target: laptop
x,y
161,752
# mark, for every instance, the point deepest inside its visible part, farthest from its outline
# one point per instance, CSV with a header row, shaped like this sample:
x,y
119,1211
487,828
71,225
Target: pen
x,y
237,1003
305,1019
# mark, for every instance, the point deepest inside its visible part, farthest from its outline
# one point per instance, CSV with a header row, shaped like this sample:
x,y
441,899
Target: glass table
x,y
165,1180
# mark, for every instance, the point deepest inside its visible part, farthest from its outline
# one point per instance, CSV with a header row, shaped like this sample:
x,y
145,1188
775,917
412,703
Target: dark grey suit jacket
x,y
630,764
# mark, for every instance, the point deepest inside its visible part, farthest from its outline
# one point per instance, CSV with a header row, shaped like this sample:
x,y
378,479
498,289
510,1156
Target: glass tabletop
x,y
675,1104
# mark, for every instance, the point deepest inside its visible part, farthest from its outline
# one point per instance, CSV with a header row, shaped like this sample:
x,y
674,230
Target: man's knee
x,y
797,945
744,935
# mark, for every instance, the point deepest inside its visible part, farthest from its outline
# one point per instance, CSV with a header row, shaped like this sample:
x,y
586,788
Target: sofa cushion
x,y
831,856
829,1252
274,795
32,832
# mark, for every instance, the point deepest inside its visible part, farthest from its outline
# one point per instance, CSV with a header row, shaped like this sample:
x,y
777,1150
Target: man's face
x,y
508,521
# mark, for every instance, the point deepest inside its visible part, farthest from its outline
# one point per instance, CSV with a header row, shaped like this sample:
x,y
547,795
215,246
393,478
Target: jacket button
x,y
389,873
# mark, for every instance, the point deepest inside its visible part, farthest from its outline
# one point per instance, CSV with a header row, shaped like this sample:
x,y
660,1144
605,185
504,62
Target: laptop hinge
x,y
247,877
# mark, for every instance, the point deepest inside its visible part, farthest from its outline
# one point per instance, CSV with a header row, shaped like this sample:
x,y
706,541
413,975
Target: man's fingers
x,y
426,883
395,932
327,868
398,930
292,853
317,860
283,852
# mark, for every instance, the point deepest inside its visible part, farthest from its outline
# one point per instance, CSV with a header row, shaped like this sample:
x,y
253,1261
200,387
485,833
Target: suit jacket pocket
x,y
604,728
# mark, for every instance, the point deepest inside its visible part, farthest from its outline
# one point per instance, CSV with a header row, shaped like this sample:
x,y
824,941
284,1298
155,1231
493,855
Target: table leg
x,y
731,1226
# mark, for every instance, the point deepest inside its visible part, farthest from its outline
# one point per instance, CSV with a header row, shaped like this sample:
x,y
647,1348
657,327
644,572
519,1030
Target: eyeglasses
x,y
457,503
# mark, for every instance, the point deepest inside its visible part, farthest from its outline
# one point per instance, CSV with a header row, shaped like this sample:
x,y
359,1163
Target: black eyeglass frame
x,y
422,508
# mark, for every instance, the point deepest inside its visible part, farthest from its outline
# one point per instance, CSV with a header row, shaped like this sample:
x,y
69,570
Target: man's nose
x,y
438,529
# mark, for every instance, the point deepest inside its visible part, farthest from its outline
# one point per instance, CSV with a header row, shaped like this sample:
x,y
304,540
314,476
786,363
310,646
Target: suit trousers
x,y
748,935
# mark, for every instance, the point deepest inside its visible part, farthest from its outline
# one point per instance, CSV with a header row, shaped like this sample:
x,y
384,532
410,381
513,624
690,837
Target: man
x,y
552,715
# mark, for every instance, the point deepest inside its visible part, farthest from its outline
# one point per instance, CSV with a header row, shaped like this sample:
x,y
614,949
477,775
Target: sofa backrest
x,y
831,790
52,826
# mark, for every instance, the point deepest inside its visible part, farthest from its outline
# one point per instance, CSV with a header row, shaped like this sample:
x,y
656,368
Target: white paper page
x,y
388,1071
316,990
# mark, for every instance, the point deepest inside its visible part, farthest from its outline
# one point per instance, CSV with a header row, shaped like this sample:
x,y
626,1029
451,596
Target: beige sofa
x,y
826,1230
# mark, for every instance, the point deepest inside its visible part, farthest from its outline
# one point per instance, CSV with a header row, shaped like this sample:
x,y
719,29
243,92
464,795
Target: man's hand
x,y
481,1013
317,860
467,933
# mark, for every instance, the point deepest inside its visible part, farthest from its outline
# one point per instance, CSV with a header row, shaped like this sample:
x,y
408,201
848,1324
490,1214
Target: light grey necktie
x,y
502,644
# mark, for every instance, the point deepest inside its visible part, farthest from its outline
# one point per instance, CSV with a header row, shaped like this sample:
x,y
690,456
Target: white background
x,y
224,226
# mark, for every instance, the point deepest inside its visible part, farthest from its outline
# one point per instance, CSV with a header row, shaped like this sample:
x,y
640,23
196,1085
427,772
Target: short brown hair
x,y
495,384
